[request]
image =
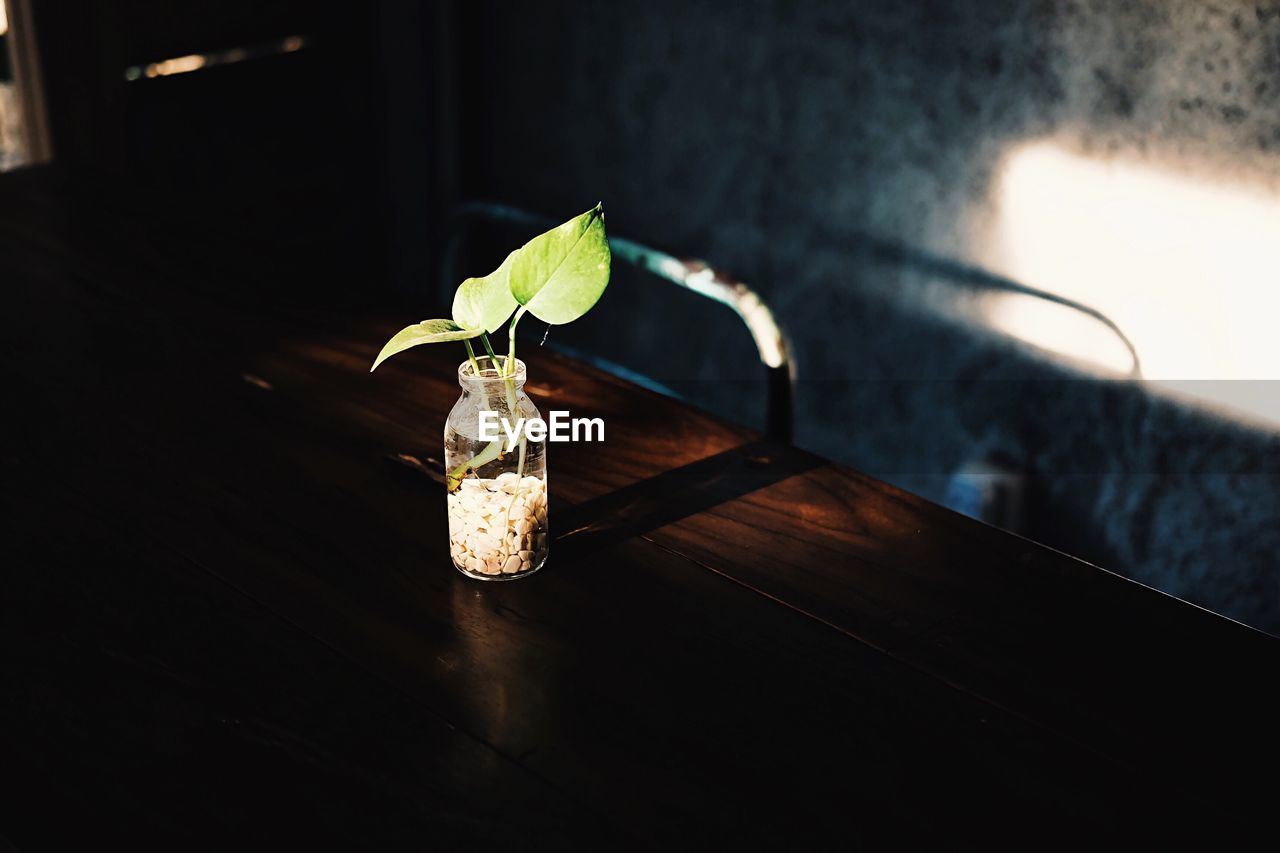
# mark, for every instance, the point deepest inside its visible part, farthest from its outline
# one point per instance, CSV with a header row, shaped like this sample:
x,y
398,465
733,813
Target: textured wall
x,y
840,157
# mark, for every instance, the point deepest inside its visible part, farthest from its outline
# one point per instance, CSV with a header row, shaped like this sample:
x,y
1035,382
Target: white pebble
x,y
499,525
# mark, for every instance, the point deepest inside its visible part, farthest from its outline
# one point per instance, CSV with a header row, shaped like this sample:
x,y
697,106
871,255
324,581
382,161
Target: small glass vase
x,y
497,499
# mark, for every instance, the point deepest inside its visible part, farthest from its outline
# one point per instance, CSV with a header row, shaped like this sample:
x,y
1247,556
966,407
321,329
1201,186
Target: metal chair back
x,y
691,274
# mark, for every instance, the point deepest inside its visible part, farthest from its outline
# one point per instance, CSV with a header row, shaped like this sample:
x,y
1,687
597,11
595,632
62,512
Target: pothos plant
x,y
557,277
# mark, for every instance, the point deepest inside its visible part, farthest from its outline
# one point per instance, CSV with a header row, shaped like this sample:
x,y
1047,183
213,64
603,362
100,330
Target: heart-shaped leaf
x,y
557,276
485,303
426,332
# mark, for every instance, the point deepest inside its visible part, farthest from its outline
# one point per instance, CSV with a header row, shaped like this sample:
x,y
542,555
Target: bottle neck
x,y
490,382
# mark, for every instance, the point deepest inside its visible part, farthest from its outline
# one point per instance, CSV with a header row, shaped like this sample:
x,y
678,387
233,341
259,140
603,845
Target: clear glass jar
x,y
497,499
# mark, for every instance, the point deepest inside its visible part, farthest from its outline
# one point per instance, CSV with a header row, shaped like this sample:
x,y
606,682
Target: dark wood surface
x,y
229,619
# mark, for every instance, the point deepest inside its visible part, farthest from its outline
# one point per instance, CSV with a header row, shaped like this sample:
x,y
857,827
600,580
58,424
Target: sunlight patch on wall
x,y
1190,270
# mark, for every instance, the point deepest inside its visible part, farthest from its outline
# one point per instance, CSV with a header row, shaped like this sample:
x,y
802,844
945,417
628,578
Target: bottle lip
x,y
488,374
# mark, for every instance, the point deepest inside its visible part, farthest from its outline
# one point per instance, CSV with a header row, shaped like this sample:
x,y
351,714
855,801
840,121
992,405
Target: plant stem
x,y
454,478
471,354
493,356
511,342
511,383
484,457
507,371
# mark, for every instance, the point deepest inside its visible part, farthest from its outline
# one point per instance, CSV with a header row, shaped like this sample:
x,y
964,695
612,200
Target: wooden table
x,y
230,622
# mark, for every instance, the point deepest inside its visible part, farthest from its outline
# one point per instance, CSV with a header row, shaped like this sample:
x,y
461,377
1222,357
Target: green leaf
x,y
559,275
426,332
485,303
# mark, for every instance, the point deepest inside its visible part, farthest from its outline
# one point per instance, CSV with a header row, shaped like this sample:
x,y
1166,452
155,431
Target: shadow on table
x,y
580,530
601,523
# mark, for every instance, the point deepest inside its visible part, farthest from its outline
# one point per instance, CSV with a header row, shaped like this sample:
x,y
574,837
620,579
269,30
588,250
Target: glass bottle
x,y
497,498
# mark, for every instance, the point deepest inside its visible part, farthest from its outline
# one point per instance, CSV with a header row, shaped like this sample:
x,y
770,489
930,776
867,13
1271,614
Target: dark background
x,y
837,157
